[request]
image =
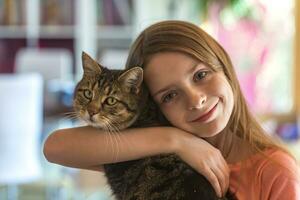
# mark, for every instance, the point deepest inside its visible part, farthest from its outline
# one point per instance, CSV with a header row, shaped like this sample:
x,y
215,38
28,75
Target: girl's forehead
x,y
166,69
168,58
167,63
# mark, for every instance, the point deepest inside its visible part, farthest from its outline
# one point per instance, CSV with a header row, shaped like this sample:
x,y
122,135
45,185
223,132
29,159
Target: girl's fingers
x,y
224,165
226,179
212,178
222,179
223,173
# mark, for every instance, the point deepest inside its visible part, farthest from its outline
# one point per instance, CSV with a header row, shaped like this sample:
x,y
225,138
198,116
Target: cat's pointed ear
x,y
89,64
132,79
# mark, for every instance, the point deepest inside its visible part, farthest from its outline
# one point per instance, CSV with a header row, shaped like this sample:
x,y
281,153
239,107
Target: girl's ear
x,y
131,80
89,65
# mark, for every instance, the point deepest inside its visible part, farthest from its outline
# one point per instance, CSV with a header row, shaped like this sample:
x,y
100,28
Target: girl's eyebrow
x,y
193,68
161,91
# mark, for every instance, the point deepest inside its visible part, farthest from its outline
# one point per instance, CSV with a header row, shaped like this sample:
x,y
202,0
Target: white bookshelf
x,y
57,31
13,31
85,32
114,32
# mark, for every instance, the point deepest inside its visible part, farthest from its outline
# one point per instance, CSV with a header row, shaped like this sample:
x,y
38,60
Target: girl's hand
x,y
204,158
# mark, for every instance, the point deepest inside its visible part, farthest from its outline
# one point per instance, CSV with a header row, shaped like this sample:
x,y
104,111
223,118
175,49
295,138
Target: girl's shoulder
x,y
270,163
277,160
280,163
271,174
279,173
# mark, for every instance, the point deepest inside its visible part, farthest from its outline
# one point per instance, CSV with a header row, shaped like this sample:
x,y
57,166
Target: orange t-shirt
x,y
263,179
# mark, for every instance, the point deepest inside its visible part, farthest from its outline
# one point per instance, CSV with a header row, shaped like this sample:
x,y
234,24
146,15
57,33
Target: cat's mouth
x,y
106,123
99,122
91,119
96,123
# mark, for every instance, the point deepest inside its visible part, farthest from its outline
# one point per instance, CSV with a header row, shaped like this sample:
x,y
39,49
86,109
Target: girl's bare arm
x,y
90,148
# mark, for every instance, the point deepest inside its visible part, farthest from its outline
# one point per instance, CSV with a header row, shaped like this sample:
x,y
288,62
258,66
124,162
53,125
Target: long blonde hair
x,y
190,39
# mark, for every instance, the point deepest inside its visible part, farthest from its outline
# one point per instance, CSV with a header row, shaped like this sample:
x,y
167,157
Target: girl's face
x,y
191,96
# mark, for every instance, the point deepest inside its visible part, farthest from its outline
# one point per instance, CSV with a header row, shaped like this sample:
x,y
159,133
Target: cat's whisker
x,y
106,142
112,141
116,130
70,115
70,112
107,135
117,144
120,136
108,130
115,134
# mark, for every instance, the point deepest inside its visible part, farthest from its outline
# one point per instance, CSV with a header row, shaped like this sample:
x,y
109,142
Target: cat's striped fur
x,y
116,99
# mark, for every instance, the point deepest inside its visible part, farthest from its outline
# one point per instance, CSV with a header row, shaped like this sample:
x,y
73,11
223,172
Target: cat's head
x,y
108,99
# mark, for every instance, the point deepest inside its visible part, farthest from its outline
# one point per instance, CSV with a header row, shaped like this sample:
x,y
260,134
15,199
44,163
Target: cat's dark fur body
x,y
162,177
159,178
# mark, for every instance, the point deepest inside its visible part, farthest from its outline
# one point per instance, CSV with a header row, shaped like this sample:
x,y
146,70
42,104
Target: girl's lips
x,y
207,115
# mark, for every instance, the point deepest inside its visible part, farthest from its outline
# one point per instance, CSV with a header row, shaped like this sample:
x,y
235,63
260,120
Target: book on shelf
x,y
52,12
114,12
8,50
12,12
57,12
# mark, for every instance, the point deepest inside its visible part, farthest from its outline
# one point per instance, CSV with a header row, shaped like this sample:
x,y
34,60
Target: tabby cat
x,y
113,100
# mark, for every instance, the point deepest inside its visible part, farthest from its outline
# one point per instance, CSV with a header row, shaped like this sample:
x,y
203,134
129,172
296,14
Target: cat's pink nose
x,y
92,111
91,114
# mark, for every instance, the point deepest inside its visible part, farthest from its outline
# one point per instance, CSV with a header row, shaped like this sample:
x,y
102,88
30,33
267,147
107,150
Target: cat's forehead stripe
x,y
113,92
95,84
101,81
127,107
107,89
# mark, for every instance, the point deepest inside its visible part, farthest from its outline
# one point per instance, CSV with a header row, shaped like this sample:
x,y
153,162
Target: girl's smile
x,y
207,115
191,95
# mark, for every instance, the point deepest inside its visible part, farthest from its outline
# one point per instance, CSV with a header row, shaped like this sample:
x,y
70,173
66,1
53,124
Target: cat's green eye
x,y
87,94
111,101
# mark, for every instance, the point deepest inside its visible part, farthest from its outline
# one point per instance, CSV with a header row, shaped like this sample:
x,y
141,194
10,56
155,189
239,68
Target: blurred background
x,y
40,62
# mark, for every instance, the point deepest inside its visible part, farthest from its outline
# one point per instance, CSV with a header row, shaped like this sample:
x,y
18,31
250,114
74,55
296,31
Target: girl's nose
x,y
196,99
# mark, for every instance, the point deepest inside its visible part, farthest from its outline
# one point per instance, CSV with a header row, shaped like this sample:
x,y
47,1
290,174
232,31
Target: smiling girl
x,y
192,80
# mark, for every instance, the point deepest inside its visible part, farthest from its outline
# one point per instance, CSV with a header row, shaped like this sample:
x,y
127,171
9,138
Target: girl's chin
x,y
209,132
209,135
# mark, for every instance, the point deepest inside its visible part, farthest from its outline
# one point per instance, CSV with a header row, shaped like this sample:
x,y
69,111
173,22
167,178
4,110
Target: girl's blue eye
x,y
200,75
168,97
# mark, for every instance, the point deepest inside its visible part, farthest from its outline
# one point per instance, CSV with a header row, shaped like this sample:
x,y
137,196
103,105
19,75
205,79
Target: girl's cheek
x,y
167,112
172,112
